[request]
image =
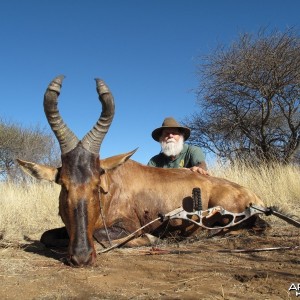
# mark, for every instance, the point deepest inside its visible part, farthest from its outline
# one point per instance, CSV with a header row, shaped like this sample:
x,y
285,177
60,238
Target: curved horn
x,y
92,140
66,138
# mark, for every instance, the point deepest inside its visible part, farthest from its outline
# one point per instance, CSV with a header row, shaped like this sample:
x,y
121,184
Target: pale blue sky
x,y
146,51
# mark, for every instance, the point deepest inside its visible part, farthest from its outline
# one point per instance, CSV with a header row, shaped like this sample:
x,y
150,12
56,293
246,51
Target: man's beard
x,y
171,147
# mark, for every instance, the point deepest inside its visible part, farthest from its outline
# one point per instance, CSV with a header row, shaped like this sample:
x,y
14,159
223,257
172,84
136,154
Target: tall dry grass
x,y
30,210
276,185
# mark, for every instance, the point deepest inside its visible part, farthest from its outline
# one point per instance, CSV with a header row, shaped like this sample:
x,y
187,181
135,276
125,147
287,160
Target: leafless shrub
x,y
249,99
33,144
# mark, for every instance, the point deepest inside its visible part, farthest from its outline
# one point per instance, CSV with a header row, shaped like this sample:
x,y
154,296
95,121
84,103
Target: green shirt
x,y
189,156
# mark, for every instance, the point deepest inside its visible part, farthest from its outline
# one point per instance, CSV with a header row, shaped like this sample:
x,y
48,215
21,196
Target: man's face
x,y
169,135
171,141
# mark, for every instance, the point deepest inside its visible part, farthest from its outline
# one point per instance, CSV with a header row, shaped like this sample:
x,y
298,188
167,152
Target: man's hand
x,y
199,170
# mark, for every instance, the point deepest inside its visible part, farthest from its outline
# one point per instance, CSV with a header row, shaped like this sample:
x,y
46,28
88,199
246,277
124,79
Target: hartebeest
x,y
125,193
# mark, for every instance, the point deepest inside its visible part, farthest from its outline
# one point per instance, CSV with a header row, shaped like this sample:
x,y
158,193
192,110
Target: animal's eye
x,y
59,181
57,177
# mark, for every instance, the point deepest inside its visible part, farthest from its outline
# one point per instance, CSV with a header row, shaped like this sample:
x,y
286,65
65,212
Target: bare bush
x,y
249,99
33,144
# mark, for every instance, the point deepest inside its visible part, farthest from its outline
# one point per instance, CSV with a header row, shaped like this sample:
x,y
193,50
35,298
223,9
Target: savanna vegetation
x,y
32,143
249,99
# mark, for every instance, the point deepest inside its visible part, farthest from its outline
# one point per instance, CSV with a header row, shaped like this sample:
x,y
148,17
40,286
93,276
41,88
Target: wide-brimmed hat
x,y
170,123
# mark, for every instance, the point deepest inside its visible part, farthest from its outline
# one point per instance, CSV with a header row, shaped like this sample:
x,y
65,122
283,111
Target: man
x,y
174,152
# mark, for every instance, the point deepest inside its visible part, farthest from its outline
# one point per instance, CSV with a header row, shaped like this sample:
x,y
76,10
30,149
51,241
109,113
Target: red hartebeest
x,y
126,193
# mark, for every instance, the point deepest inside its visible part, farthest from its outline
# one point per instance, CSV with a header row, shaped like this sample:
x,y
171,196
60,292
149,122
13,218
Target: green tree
x,y
249,99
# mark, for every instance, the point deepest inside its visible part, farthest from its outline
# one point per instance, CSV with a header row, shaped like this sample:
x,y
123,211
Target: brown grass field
x,y
202,267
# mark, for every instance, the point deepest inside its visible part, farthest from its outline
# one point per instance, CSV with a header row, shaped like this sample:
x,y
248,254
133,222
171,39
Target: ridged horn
x,y
66,138
92,140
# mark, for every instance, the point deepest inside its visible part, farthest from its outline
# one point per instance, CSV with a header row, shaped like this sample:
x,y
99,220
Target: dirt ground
x,y
198,268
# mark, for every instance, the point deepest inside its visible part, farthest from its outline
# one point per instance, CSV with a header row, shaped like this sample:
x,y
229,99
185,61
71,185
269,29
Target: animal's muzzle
x,y
81,259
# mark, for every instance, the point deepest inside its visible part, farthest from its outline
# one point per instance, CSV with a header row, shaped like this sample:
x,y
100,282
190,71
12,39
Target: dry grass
x,y
30,210
277,185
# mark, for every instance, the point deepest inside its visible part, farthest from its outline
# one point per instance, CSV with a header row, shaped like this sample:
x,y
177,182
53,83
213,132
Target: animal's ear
x,y
115,161
39,171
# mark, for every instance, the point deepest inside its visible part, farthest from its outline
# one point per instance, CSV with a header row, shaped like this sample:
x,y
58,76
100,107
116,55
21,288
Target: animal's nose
x,y
82,258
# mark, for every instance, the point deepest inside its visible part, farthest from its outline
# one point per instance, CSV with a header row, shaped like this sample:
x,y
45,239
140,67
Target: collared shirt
x,y
189,156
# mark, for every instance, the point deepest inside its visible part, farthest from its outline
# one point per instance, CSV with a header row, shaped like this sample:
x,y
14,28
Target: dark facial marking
x,y
80,215
80,165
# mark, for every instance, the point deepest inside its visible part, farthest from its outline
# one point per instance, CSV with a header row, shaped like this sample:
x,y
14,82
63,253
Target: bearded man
x,y
174,152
